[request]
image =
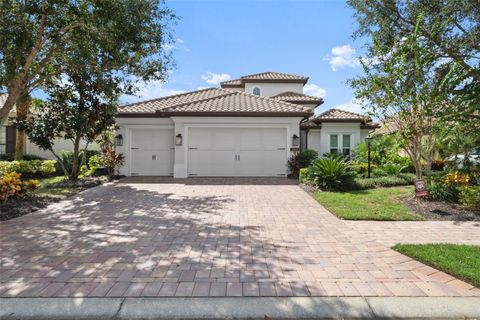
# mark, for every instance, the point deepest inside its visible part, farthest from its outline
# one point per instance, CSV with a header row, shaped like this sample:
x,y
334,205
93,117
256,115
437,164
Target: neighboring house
x,y
335,131
8,138
248,127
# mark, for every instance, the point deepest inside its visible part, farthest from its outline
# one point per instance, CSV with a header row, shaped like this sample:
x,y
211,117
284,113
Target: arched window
x,y
256,91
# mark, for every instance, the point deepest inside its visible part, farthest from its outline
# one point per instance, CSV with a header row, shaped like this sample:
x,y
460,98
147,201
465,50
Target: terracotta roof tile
x,y
265,77
338,115
213,100
290,96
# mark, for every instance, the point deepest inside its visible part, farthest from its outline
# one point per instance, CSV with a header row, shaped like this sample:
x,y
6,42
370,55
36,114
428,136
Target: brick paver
x,y
215,237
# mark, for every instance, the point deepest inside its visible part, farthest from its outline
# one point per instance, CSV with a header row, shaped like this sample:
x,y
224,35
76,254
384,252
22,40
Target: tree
x,y
129,37
78,110
450,33
405,86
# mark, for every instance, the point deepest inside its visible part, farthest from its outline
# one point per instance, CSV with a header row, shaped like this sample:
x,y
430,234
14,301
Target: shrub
x,y
29,167
385,181
111,159
67,159
361,168
469,196
95,162
332,173
438,165
301,160
393,168
456,178
439,191
11,186
303,175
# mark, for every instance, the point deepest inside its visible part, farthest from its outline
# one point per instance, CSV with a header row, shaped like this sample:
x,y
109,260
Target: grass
x,y
461,261
372,204
62,192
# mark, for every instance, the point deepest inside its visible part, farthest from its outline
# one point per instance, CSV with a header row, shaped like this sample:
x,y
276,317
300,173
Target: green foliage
x,y
95,162
331,173
393,168
469,196
361,168
384,181
29,167
439,191
303,175
126,40
301,160
383,149
449,33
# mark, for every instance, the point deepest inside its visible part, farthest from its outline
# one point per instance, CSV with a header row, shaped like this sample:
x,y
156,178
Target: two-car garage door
x,y
219,151
237,151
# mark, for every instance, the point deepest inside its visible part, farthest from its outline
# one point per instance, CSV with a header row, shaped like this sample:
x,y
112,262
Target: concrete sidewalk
x,y
240,308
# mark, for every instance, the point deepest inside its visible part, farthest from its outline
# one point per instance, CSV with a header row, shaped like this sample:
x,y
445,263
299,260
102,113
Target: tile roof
x,y
265,77
213,100
339,115
290,96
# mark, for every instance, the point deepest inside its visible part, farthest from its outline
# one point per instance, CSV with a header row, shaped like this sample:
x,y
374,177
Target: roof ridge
x,y
295,93
166,97
225,93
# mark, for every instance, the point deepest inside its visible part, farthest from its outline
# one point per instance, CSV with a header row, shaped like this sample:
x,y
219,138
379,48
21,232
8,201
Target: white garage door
x,y
237,151
151,152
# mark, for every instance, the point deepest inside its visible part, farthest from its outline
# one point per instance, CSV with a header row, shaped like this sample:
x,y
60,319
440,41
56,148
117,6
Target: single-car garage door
x,y
151,152
237,151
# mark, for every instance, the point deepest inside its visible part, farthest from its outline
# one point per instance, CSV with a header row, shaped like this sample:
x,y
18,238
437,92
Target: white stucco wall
x,y
271,89
59,145
314,140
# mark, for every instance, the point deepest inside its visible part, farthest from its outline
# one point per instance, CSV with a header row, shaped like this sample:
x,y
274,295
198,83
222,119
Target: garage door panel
x,y
152,152
274,139
250,139
274,162
211,162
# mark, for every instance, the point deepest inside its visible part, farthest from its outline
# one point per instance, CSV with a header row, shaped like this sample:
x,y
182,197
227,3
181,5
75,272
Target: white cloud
x,y
150,90
215,78
354,105
180,40
342,56
202,87
169,46
314,90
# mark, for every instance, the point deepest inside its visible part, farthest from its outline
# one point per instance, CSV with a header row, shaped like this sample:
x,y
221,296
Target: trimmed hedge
x,y
386,181
303,175
29,167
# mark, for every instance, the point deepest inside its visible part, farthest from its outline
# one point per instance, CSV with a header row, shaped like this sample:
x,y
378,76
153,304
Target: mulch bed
x,y
436,210
18,207
14,208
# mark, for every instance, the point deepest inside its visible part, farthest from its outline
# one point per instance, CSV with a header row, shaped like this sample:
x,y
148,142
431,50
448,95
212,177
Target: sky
x,y
221,40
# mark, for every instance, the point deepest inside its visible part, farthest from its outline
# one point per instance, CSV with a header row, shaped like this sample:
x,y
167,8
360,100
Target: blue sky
x,y
218,40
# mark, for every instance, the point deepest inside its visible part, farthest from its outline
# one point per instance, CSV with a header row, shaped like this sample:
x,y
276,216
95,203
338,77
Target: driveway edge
x,y
240,308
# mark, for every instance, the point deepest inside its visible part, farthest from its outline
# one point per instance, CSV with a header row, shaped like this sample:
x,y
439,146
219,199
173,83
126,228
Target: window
x,y
256,91
346,145
333,143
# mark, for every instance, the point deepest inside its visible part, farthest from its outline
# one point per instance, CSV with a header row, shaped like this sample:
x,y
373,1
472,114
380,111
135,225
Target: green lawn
x,y
372,204
461,261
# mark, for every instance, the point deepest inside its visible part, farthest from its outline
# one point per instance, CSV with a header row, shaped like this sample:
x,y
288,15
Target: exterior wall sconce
x,y
119,140
295,141
178,139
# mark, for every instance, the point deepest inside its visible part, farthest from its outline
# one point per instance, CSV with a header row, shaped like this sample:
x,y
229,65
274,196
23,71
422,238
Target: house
x,y
248,127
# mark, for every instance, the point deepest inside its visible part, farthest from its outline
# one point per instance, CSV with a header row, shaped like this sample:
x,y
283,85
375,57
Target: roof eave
x,y
160,114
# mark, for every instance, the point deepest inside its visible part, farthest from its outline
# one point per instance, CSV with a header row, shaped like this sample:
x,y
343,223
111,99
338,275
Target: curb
x,y
240,308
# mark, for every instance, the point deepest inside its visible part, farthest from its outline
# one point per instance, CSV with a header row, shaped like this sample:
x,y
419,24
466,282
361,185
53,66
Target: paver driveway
x,y
209,237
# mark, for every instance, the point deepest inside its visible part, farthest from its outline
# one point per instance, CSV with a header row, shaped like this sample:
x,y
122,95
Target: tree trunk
x,y
75,161
23,106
